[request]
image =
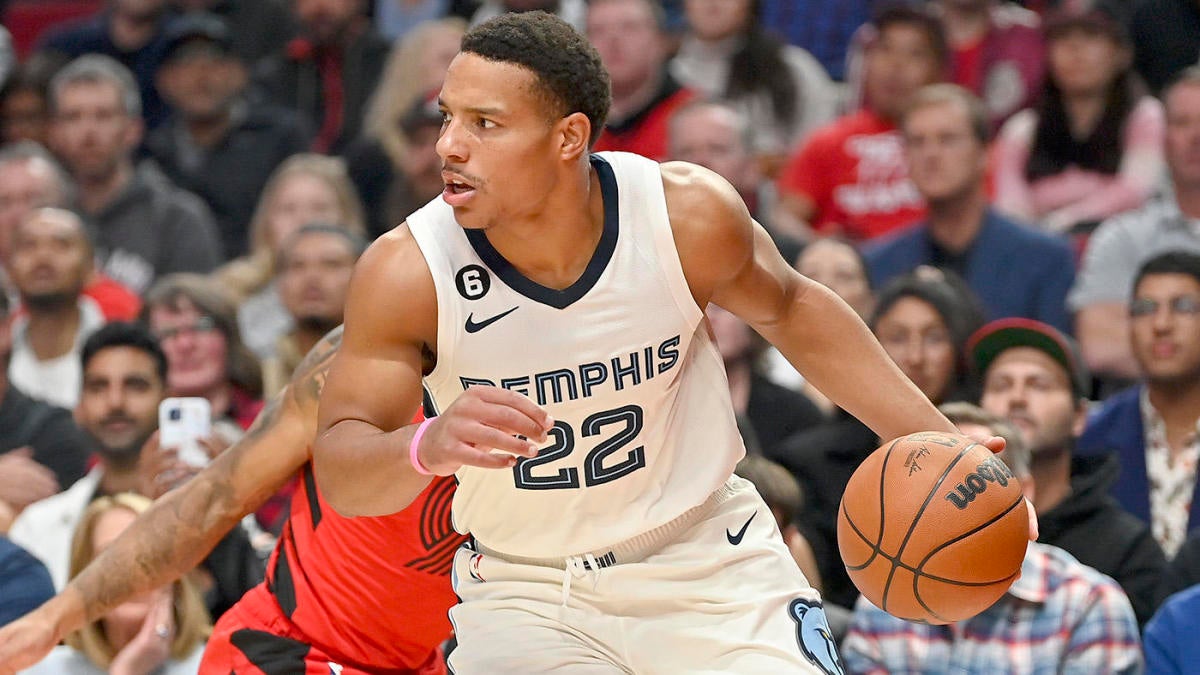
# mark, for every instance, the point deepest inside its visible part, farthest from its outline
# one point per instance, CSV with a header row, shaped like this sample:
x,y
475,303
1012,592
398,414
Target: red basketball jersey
x,y
371,590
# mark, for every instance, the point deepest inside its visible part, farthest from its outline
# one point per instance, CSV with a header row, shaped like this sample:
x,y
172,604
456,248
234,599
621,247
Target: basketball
x,y
933,527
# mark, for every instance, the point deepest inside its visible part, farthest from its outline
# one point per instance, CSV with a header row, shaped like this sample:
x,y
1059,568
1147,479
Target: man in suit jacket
x,y
1014,269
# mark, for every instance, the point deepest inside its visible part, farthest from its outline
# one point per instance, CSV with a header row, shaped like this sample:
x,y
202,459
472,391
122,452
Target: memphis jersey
x,y
622,360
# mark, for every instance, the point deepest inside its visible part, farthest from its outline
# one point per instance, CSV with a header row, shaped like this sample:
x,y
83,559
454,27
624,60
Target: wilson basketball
x,y
933,528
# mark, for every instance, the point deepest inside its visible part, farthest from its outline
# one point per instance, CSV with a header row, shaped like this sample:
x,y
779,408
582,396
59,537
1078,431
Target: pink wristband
x,y
412,449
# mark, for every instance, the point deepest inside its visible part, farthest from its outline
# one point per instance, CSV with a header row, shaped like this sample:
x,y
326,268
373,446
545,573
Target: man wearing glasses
x,y
1154,425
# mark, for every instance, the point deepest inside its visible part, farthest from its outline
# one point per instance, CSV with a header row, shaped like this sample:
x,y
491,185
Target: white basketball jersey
x,y
621,359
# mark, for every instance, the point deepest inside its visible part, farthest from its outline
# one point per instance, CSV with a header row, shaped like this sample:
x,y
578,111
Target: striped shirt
x,y
1059,617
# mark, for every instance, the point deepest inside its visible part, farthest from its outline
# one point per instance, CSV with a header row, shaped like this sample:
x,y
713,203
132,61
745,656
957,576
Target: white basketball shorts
x,y
715,591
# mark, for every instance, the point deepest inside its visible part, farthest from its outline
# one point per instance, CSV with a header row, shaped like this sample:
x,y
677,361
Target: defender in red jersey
x,y
350,596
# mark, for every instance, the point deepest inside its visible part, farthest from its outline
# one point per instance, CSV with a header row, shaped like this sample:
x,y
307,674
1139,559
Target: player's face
x,y
946,161
915,336
315,276
197,351
499,150
834,265
118,402
900,62
91,131
50,258
626,36
1165,328
1182,106
1033,391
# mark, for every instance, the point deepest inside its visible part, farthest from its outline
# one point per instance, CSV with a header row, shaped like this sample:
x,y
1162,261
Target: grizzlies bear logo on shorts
x,y
812,633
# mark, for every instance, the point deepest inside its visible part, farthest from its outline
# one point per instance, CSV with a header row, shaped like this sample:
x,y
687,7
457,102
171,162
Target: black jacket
x,y
57,443
822,459
1090,525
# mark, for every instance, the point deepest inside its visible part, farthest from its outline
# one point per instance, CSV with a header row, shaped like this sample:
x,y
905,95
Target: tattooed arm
x,y
183,526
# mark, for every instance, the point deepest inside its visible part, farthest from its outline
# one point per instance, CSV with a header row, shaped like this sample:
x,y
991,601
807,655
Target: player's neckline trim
x,y
561,299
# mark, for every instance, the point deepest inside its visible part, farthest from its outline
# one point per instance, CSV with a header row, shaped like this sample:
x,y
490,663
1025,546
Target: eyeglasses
x,y
1186,305
205,324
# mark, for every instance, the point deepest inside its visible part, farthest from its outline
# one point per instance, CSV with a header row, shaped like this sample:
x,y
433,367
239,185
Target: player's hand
x,y
479,421
997,444
23,480
151,647
27,640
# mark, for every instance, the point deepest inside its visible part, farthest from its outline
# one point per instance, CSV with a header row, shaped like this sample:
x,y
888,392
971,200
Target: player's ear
x,y
576,131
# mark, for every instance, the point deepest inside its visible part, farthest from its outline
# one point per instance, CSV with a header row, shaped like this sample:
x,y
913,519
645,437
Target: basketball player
x,y
340,594
553,304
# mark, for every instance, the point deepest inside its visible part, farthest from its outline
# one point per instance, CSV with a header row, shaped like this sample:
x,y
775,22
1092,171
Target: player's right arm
x,y
361,453
182,527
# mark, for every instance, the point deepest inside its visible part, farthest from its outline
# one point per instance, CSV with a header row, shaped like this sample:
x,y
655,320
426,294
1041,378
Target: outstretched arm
x,y
730,260
182,527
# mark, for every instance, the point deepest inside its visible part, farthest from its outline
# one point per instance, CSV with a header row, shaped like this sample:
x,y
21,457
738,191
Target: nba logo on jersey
x,y
473,567
334,669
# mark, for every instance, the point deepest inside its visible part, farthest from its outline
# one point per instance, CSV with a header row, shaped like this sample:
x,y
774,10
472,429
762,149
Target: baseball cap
x,y
422,113
994,338
197,28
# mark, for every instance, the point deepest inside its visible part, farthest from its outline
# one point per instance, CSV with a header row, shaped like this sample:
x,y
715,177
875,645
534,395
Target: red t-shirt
x,y
368,590
968,67
646,133
853,170
116,302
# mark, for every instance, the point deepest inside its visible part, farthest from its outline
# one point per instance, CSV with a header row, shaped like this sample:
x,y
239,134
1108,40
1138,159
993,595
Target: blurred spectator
x,y
1093,146
123,385
716,136
784,92
1059,616
196,323
630,37
329,72
144,226
781,493
30,179
50,262
257,29
41,449
8,59
130,31
216,144
397,20
997,53
395,164
839,266
1166,39
1170,640
922,320
161,633
314,273
25,102
1184,569
1033,377
304,189
1155,426
1015,270
1120,246
821,27
573,12
773,412
24,581
849,177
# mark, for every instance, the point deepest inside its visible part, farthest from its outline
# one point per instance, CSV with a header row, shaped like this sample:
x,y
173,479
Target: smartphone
x,y
181,423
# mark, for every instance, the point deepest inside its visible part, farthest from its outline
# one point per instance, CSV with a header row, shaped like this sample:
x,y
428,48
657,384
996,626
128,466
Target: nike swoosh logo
x,y
736,539
473,327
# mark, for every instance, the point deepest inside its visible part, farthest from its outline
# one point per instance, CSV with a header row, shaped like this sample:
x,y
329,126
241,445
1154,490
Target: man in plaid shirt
x,y
1060,616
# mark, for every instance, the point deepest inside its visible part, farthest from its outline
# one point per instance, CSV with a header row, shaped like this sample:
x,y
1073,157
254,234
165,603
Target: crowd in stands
x,y
1008,194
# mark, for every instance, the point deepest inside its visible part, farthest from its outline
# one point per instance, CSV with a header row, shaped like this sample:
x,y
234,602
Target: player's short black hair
x,y
125,334
567,67
1169,262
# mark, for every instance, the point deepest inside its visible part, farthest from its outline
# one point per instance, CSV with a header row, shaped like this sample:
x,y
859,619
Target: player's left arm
x,y
730,260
